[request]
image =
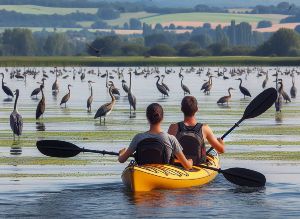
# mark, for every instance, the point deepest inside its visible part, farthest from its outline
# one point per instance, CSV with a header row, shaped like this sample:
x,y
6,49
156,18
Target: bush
x,y
162,50
264,24
108,13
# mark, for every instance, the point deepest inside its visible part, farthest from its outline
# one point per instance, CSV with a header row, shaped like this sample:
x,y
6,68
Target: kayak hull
x,y
158,176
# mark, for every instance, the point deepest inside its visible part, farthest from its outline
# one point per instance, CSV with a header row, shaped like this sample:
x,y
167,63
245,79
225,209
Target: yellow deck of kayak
x,y
157,176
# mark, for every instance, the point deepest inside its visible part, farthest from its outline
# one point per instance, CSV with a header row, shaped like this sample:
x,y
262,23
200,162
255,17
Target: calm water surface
x,y
105,195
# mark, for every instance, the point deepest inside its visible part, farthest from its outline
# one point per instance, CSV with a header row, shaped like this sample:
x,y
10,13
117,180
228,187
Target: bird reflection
x,y
40,126
16,149
278,117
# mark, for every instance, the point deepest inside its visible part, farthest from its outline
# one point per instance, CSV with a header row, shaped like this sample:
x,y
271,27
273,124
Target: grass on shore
x,y
152,61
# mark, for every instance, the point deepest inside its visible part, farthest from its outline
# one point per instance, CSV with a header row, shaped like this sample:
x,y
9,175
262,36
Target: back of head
x,y
154,113
189,106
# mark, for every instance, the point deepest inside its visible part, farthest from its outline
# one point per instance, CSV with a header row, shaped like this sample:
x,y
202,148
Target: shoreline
x,y
132,61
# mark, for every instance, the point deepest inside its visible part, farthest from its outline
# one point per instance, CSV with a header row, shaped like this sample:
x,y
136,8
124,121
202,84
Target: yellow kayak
x,y
163,176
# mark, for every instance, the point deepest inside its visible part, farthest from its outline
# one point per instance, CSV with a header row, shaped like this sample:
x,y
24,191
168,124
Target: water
x,y
51,190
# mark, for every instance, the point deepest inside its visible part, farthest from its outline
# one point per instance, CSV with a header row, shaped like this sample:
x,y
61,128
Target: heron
x,y
293,90
124,86
265,81
205,84
65,99
40,109
282,92
163,84
16,120
225,99
115,91
55,86
131,97
243,90
106,109
5,88
161,88
185,89
208,87
90,99
36,91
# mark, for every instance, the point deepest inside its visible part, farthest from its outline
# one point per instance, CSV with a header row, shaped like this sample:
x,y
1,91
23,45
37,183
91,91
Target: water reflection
x,y
279,117
40,126
8,99
16,149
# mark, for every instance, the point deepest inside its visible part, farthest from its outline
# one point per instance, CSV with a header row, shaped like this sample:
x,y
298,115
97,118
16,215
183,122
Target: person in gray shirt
x,y
155,115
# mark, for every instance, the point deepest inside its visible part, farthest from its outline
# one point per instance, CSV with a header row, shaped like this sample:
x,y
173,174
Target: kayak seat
x,y
151,151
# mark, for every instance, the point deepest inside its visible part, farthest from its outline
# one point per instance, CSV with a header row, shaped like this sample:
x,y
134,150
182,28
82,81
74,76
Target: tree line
x,y
22,42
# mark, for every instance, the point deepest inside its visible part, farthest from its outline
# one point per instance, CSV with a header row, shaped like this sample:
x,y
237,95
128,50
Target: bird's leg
x,y
100,121
104,120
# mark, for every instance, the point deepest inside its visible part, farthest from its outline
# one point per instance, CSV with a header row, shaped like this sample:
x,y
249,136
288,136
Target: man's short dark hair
x,y
189,105
154,113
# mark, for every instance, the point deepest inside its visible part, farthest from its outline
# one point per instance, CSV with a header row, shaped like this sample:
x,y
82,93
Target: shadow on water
x,y
16,149
279,117
8,99
40,126
224,106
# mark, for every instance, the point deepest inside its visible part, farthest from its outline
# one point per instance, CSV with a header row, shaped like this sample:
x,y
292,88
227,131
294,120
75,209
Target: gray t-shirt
x,y
171,143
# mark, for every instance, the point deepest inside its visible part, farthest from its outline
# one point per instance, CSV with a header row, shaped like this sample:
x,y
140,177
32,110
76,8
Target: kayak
x,y
164,176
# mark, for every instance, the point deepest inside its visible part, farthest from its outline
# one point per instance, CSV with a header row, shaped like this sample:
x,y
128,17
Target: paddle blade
x,y
244,177
261,103
54,148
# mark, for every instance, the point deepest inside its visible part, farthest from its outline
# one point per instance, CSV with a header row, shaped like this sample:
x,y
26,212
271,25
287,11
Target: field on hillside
x,y
33,9
214,18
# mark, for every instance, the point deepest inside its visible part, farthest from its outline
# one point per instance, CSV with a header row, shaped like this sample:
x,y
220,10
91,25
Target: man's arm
x,y
216,143
173,129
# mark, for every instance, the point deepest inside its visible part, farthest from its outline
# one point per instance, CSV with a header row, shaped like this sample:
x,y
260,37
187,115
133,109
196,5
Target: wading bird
x,y
293,90
282,92
265,81
106,109
243,90
163,84
90,99
16,121
5,88
40,109
161,88
125,87
225,99
65,99
55,86
185,89
36,91
131,97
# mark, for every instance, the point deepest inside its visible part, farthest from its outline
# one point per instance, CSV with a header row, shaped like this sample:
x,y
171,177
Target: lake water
x,y
97,191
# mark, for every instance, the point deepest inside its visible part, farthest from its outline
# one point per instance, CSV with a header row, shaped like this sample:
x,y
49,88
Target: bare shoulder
x,y
173,129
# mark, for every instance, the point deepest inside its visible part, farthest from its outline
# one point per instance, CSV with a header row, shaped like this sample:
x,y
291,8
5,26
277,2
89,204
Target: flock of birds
x,y
16,121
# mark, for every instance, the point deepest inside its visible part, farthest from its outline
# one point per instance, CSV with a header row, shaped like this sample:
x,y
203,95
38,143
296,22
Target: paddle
x,y
56,148
241,176
260,104
238,176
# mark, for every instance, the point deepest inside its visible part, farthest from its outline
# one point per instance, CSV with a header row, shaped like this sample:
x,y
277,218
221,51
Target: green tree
x,y
281,43
135,24
57,44
109,45
108,13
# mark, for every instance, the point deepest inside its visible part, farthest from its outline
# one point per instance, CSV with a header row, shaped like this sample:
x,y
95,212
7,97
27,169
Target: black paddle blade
x,y
261,103
244,177
54,148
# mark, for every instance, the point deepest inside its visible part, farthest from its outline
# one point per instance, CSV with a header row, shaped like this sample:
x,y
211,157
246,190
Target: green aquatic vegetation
x,y
15,161
265,155
271,130
255,142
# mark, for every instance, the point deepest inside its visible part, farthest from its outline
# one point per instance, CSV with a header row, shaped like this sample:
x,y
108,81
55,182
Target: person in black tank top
x,y
192,135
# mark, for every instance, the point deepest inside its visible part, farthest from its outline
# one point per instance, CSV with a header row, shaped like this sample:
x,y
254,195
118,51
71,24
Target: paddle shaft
x,y
227,133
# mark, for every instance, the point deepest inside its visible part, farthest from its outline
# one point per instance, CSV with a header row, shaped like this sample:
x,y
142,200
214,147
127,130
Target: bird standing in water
x,y
5,88
90,99
106,109
66,98
243,90
131,97
40,109
16,120
225,99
